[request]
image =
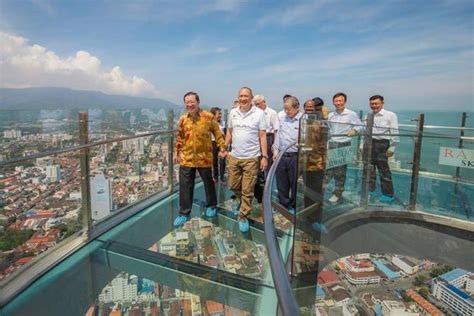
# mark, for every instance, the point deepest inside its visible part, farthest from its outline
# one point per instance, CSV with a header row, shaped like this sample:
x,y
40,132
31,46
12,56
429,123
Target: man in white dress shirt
x,y
286,172
246,130
273,124
384,139
343,124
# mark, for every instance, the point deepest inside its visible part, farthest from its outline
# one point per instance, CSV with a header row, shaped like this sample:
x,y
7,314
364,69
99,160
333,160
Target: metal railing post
x,y
170,151
463,124
366,158
225,116
420,121
361,113
85,173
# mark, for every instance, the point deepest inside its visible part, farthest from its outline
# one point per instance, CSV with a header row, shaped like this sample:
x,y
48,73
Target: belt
x,y
270,134
380,140
292,154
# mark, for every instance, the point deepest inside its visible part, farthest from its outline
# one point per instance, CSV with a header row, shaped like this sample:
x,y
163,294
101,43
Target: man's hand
x,y
389,153
177,159
223,154
351,133
263,163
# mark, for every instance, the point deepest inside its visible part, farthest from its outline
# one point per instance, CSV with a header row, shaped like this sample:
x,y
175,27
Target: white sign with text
x,y
339,156
457,157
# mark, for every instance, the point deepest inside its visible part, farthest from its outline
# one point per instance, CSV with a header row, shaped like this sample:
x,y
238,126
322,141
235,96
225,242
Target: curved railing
x,y
286,298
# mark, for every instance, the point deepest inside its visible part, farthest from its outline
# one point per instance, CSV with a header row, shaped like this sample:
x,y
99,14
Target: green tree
x,y
419,280
424,292
13,238
405,297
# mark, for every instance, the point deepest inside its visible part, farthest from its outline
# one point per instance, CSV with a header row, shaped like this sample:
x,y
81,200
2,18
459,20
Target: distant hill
x,y
67,99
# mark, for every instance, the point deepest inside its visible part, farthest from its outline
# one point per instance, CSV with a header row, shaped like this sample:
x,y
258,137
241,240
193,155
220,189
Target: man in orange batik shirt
x,y
194,152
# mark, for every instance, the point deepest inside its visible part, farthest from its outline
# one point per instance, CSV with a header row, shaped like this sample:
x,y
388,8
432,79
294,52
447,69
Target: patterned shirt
x,y
193,142
315,135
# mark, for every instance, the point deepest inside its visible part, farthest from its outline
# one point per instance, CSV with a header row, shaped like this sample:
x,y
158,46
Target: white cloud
x,y
26,65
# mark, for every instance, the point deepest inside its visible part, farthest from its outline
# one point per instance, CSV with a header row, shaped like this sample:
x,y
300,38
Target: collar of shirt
x,y
380,113
344,112
295,118
198,113
244,114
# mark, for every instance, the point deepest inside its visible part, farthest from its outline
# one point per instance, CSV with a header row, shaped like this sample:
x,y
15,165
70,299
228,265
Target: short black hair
x,y
340,94
375,97
191,93
318,102
215,109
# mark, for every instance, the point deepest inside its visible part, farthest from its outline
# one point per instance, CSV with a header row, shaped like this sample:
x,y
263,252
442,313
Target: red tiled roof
x,y
327,277
214,307
23,260
423,303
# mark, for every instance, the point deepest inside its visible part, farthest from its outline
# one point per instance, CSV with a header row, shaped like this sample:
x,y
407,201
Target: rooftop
x,y
453,275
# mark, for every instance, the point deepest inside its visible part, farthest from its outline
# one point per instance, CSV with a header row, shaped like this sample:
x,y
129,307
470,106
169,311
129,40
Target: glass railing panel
x,y
442,143
446,182
26,132
127,171
115,123
363,257
40,207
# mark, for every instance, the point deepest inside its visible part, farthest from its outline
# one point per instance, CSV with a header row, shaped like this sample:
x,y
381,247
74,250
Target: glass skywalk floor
x,y
145,264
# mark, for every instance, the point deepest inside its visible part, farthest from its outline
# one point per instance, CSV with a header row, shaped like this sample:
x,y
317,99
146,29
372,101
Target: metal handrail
x,y
79,147
286,297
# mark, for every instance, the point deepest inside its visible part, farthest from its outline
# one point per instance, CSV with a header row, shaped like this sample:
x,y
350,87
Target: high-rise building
x,y
101,196
123,288
12,133
53,173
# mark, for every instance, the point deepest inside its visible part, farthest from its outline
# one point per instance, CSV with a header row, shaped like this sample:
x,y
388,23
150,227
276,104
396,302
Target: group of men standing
x,y
258,135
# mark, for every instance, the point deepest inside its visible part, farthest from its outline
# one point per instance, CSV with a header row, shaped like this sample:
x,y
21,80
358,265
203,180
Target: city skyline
x,y
418,55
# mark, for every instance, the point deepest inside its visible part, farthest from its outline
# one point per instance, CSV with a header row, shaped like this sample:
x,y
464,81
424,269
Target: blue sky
x,y
418,54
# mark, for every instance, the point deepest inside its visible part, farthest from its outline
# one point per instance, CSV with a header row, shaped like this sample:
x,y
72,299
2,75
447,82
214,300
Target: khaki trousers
x,y
242,179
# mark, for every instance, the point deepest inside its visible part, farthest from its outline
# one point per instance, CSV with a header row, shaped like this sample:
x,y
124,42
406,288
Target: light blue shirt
x,y
288,132
341,123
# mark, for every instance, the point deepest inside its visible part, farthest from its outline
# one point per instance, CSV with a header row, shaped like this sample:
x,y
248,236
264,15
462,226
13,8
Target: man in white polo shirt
x,y
246,130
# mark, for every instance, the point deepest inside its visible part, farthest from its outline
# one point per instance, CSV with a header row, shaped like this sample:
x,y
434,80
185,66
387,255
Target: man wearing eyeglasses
x,y
286,172
194,153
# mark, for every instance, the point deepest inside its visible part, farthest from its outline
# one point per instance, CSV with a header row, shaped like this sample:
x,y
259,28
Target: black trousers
x,y
314,193
262,175
339,172
379,160
218,164
286,180
187,175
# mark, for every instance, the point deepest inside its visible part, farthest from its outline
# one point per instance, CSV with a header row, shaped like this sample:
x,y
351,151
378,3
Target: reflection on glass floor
x,y
368,284
145,265
130,295
202,242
